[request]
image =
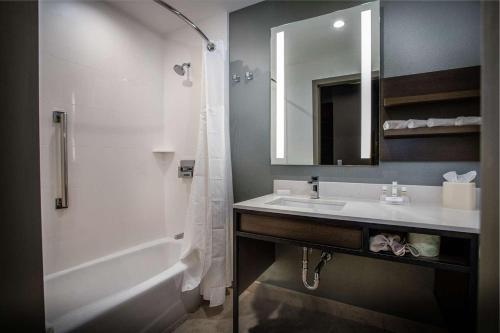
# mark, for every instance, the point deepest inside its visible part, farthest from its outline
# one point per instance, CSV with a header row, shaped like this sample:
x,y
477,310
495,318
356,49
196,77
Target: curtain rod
x,y
210,45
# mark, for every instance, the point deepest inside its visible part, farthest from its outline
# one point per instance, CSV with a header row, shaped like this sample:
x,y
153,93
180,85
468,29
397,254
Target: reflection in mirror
x,y
325,89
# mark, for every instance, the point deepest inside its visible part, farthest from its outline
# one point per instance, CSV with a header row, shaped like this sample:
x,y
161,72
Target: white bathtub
x,y
134,290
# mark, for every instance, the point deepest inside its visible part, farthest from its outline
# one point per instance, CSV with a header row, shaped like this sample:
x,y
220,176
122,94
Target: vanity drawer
x,y
302,230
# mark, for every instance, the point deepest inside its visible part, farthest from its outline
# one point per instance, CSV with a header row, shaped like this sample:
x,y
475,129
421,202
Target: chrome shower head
x,y
179,69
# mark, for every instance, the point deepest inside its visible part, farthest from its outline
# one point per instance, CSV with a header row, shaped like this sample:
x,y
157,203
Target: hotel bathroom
x,y
221,166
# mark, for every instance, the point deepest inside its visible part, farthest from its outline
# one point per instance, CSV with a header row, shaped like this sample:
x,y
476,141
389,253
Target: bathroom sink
x,y
316,204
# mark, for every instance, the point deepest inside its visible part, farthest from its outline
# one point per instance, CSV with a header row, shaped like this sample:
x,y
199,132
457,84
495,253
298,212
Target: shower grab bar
x,y
61,117
210,44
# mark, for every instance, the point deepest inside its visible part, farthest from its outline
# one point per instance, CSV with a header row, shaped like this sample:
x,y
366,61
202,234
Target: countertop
x,y
426,216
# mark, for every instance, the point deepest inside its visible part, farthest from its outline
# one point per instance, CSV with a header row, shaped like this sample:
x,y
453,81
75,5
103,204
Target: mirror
x,y
325,89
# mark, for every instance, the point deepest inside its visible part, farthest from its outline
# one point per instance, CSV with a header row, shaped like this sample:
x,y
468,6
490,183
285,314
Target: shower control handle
x,y
61,117
186,169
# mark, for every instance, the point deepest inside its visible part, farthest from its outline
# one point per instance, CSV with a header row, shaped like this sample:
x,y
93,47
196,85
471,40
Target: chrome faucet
x,y
315,187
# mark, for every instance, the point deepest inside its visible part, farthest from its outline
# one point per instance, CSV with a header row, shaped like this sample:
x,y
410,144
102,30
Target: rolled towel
x,y
379,243
434,122
416,123
387,242
464,121
426,245
395,124
393,243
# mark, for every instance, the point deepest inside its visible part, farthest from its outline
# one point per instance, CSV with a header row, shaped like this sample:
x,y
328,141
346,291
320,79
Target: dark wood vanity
x,y
257,232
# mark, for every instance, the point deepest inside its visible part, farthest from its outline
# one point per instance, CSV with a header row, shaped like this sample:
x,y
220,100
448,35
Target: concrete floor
x,y
270,309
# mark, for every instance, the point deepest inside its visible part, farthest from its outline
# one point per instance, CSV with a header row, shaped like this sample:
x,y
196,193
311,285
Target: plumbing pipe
x,y
325,257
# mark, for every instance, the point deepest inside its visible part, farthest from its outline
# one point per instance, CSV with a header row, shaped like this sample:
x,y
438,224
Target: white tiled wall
x,y
114,77
106,71
182,108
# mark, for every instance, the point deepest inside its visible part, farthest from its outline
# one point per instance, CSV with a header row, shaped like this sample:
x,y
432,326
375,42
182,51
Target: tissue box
x,y
459,195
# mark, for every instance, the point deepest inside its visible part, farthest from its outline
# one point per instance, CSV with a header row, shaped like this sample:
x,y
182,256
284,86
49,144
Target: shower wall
x,y
113,76
106,71
182,109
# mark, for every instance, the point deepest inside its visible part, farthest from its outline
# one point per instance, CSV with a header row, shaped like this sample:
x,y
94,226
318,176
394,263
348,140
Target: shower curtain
x,y
207,233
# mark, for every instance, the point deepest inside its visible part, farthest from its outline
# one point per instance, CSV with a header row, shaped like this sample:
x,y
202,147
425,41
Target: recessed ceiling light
x,y
338,24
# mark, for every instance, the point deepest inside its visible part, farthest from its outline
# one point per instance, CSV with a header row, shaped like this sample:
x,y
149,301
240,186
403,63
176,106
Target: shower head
x,y
179,69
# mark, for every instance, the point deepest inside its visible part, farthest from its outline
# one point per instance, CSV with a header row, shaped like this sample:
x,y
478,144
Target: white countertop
x,y
372,211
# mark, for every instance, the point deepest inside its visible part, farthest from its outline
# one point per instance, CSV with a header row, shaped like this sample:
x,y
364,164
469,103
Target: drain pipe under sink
x,y
325,257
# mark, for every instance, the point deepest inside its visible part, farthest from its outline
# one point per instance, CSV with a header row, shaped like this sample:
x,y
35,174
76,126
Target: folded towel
x,y
416,123
431,122
382,242
395,124
434,122
388,242
463,121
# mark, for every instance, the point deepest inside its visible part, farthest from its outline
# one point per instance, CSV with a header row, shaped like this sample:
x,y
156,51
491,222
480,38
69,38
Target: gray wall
x,y
417,37
429,37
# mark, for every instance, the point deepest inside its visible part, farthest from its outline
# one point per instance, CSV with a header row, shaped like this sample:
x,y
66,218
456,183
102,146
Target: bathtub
x,y
134,290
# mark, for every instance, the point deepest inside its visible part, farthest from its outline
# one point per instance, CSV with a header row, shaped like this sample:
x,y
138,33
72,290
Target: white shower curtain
x,y
207,233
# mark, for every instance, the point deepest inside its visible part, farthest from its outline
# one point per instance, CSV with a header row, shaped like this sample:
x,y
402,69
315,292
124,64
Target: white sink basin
x,y
316,204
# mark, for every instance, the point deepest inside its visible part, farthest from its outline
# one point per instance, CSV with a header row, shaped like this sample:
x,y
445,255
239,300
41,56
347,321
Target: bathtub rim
x,y
79,316
112,256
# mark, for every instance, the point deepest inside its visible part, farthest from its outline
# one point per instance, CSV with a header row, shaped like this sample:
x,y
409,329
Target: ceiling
x,y
162,21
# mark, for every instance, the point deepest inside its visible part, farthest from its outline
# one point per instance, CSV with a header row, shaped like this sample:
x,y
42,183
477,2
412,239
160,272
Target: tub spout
x,y
325,257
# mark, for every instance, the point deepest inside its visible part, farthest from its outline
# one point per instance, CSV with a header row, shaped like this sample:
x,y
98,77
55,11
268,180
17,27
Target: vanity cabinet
x,y
257,232
302,229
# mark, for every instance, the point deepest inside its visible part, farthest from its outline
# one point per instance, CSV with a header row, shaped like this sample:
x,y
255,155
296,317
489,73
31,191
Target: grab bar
x,y
61,117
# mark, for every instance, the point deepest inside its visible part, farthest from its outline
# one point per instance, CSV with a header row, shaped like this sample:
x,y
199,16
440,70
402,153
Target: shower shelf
x,y
163,150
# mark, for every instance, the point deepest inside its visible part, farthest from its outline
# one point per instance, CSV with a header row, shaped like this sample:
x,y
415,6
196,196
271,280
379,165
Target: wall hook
x,y
236,78
249,76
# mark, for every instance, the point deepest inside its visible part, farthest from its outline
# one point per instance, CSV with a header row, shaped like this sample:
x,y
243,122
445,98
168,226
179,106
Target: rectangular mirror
x,y
325,89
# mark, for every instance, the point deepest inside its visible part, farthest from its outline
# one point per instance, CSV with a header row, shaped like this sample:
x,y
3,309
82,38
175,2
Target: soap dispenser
x,y
394,190
404,195
384,193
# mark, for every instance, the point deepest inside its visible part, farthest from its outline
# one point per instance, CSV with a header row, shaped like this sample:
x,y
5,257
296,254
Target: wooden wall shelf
x,y
429,98
431,131
442,94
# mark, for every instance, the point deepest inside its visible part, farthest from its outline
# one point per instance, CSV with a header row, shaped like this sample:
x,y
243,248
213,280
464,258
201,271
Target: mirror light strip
x,y
366,78
280,94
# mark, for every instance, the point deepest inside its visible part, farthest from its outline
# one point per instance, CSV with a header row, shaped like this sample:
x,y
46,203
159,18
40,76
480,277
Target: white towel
x,y
416,123
463,121
387,242
395,124
434,122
